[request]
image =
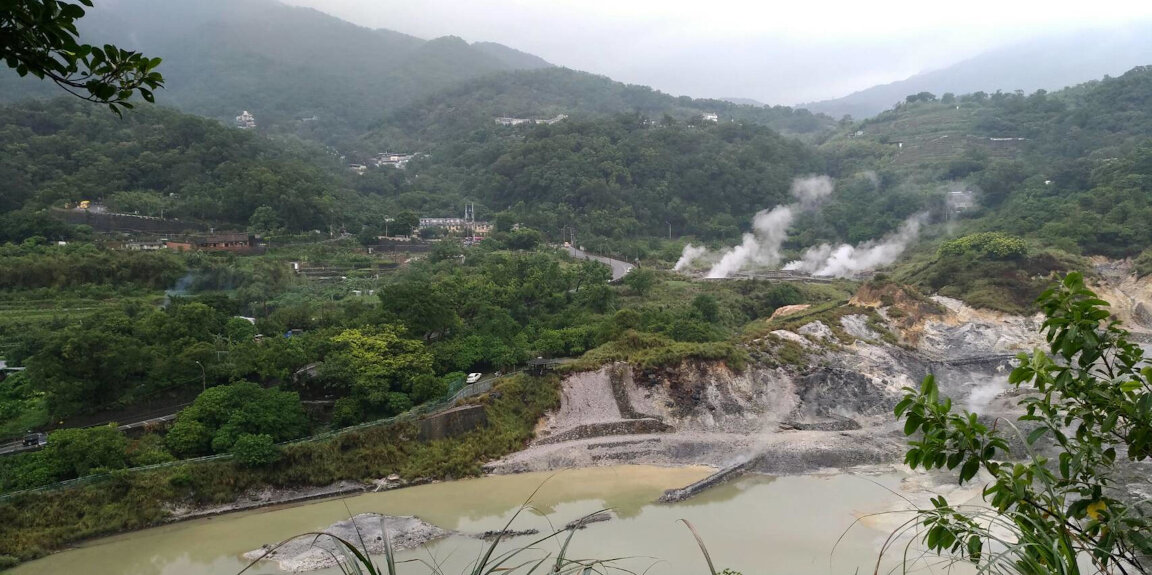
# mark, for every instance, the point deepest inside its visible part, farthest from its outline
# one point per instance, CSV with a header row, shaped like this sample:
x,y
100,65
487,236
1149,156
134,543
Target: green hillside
x,y
295,69
1069,171
546,93
949,136
160,162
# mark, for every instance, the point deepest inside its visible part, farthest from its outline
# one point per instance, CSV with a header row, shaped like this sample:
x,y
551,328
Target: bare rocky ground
x,y
833,412
370,531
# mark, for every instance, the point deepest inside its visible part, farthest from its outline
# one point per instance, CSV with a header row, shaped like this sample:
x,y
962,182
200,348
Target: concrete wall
x,y
607,428
455,421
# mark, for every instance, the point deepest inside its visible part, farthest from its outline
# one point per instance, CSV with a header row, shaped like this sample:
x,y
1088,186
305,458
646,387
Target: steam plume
x,y
848,261
690,254
812,190
761,247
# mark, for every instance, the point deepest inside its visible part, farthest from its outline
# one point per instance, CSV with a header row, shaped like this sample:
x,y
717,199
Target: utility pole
x,y
203,378
669,229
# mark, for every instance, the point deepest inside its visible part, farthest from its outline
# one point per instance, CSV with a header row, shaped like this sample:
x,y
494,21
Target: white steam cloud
x,y
690,254
761,246
812,190
849,261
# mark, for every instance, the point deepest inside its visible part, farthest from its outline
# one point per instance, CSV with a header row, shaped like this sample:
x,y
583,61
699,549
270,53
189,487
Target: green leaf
x,y
968,471
903,405
912,424
974,547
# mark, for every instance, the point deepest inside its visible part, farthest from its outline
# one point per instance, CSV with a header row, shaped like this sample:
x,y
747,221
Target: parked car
x,y
35,440
474,377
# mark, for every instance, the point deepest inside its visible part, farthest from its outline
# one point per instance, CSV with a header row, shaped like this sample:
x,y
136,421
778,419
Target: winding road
x,y
619,268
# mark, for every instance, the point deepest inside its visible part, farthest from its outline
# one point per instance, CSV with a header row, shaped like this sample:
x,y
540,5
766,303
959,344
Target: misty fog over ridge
x,y
1048,62
783,54
401,52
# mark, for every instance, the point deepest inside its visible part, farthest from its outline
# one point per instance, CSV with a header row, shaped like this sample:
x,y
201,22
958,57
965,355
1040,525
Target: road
x,y
619,268
13,447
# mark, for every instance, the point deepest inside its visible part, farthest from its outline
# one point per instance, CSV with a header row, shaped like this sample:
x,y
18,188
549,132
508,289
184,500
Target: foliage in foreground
x,y
40,38
1092,400
355,558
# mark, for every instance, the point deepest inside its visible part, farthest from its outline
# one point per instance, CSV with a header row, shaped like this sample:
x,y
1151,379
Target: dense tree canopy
x,y
222,415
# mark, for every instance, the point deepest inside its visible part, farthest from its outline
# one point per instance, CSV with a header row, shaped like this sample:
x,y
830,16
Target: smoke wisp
x,y
812,190
690,254
761,246
848,261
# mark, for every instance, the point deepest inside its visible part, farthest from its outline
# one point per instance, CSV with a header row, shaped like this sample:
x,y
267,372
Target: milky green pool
x,y
756,524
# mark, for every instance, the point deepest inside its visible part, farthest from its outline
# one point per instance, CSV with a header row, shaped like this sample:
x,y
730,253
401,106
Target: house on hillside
x,y
457,225
245,121
237,242
518,121
392,160
960,201
146,246
514,121
710,117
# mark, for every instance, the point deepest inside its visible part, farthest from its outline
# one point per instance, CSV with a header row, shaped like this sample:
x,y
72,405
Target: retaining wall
x,y
453,422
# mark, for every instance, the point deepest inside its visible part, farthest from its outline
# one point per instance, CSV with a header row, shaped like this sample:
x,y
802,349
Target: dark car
x,y
35,440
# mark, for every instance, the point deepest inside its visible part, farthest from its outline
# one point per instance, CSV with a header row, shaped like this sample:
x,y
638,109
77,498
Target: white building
x,y
710,117
961,201
457,225
518,121
245,121
393,160
514,121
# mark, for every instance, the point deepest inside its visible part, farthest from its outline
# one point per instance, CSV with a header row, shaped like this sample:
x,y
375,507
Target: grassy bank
x,y
35,524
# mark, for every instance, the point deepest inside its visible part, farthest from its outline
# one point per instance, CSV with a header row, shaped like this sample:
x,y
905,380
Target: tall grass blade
x,y
703,549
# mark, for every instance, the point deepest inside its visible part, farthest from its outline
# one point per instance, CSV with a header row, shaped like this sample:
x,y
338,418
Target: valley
x,y
274,272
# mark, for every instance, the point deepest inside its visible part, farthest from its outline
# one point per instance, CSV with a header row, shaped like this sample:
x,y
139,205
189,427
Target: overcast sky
x,y
778,52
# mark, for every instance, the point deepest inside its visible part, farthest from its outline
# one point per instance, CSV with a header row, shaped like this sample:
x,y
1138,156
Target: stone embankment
x,y
723,476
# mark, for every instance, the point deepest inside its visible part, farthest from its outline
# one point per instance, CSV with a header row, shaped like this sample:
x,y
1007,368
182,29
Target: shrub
x,y
148,450
188,438
640,280
78,452
1143,263
706,306
1061,507
986,245
226,412
255,450
347,411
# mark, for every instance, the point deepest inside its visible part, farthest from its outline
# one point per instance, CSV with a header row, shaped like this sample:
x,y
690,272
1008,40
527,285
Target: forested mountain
x,y
616,179
1067,173
619,179
948,137
160,162
626,178
543,94
1049,63
303,72
295,69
